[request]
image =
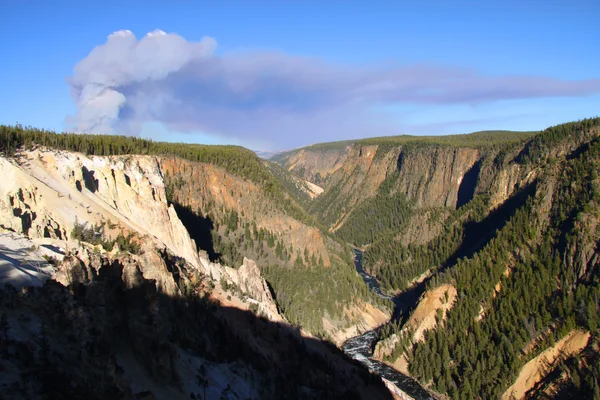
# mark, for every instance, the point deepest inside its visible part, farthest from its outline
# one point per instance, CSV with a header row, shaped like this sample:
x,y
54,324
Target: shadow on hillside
x,y
478,234
200,229
466,190
575,154
89,180
568,221
525,152
27,217
18,269
54,249
88,328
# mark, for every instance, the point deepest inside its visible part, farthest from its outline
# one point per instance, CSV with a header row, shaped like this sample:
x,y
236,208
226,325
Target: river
x,y
361,347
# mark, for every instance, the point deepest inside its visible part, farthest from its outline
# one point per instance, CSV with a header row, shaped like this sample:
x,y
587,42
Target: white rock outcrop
x,y
248,279
45,193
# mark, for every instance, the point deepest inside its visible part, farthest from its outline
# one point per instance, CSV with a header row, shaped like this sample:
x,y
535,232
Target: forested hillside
x,y
311,274
545,258
511,220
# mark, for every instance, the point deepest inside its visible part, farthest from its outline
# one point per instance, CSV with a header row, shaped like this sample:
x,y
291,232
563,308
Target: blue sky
x,y
280,74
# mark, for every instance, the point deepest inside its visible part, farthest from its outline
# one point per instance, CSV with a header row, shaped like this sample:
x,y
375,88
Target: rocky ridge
x,y
428,175
48,192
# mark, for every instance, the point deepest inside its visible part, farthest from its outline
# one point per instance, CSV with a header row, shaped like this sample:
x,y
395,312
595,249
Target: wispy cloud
x,y
269,97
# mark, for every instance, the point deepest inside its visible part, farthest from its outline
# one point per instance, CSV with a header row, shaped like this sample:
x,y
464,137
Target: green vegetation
x,y
478,140
336,202
227,235
396,265
329,205
381,216
551,139
95,235
545,297
533,248
234,159
306,294
305,289
474,140
292,184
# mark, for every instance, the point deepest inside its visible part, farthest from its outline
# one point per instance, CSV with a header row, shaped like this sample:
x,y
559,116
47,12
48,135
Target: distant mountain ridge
x,y
266,155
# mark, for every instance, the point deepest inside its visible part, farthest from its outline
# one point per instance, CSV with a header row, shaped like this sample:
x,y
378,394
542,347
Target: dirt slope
x,y
535,370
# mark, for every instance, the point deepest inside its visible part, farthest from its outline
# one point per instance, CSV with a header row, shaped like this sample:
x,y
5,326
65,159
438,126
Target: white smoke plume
x,y
268,97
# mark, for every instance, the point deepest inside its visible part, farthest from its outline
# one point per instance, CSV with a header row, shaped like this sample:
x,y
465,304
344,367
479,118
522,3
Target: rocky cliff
x,y
240,220
48,192
131,326
354,182
429,174
315,165
211,189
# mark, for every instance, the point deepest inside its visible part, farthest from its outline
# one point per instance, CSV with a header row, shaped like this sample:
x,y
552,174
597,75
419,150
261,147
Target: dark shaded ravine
x,y
361,347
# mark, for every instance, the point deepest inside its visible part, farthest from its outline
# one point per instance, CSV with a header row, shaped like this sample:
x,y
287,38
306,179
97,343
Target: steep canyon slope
x,y
303,265
508,220
131,301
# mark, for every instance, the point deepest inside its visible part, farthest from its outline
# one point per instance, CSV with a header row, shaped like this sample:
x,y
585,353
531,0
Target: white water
x,y
361,347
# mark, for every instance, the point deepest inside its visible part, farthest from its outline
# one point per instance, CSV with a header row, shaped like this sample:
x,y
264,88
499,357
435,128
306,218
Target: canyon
x,y
418,257
48,195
